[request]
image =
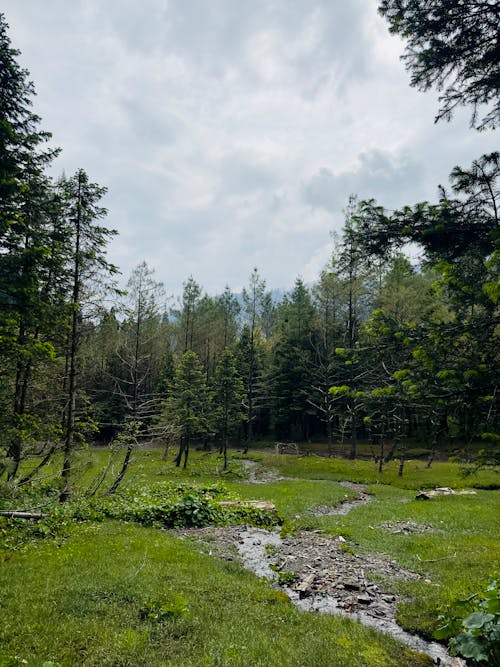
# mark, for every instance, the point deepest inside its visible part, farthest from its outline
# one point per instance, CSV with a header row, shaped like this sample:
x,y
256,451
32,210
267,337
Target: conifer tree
x,y
27,251
88,268
228,394
187,406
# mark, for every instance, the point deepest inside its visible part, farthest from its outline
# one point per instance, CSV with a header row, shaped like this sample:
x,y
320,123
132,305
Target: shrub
x,y
477,636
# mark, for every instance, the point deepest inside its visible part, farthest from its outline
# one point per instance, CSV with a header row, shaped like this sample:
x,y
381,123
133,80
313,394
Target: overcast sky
x,y
230,134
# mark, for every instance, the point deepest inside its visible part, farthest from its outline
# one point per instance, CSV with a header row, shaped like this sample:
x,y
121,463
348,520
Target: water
x,y
254,545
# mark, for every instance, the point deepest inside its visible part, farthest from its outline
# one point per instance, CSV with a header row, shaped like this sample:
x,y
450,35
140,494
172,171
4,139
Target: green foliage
x,y
187,403
175,506
286,578
339,390
159,612
451,46
477,635
227,399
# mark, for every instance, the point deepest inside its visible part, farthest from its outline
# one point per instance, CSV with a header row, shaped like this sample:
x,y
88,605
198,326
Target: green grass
x,y
457,559
113,594
416,475
294,499
118,594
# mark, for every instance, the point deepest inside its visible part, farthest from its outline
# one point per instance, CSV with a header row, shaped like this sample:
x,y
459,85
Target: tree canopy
x,y
453,46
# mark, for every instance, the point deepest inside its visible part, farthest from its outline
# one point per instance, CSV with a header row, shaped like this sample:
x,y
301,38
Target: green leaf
x,y
470,647
477,620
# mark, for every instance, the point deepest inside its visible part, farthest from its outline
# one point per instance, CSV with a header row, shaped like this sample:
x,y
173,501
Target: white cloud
x,y
230,135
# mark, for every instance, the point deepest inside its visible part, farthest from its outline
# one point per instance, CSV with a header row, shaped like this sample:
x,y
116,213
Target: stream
x,y
331,580
252,545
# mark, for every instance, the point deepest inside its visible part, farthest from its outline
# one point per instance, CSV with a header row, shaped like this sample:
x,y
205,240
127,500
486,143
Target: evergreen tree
x,y
253,300
293,364
187,406
453,46
228,395
28,251
88,267
190,300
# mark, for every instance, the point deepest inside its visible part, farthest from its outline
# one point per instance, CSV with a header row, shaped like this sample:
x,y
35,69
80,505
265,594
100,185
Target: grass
x,y
119,594
296,498
416,474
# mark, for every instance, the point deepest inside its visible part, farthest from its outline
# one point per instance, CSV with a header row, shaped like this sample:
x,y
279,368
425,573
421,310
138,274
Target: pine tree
x,y
88,268
228,395
28,251
187,406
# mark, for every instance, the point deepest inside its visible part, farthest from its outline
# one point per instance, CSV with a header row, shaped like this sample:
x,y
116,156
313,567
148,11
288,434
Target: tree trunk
x,y
70,426
354,439
178,458
42,463
123,470
401,465
225,452
381,457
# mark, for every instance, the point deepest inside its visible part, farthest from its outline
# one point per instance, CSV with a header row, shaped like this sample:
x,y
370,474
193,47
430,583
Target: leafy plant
x,y
163,612
477,636
286,578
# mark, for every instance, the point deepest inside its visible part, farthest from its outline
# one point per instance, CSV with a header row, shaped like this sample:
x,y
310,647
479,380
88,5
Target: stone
x,y
364,599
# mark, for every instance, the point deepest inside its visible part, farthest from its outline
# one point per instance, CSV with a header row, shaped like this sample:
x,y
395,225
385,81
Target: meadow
x,y
108,591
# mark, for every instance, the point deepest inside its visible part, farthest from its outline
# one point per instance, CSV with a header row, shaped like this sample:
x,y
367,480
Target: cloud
x,y
377,174
230,135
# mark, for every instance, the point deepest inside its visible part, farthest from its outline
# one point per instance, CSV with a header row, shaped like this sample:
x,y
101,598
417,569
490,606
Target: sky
x,y
230,134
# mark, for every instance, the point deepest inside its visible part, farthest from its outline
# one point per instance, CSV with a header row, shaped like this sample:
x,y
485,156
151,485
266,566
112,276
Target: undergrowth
x,y
163,505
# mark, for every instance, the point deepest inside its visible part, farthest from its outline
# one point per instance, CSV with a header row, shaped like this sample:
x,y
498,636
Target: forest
x,y
383,360
379,349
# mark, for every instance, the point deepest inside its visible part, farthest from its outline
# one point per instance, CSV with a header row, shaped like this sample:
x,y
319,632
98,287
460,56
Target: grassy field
x,y
117,593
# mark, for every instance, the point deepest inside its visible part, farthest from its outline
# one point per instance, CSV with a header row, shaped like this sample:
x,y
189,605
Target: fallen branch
x,y
434,560
17,514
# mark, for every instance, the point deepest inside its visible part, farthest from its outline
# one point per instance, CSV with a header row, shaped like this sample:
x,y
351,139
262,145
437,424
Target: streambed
x,y
320,573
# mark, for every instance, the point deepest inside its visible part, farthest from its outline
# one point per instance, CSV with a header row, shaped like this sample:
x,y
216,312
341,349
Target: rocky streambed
x,y
320,573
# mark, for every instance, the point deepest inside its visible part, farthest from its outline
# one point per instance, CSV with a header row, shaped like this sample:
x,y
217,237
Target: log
x,y
258,504
442,491
18,514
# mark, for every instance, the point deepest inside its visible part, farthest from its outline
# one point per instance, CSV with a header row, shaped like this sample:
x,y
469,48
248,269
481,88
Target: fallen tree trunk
x,y
17,514
258,504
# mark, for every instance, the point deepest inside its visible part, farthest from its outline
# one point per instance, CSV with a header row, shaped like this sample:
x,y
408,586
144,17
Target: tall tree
x,y
187,406
253,300
88,262
143,343
228,394
190,300
293,364
27,246
453,377
328,301
354,271
141,356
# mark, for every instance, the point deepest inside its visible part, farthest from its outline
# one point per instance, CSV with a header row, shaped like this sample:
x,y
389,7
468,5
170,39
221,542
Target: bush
x,y
477,636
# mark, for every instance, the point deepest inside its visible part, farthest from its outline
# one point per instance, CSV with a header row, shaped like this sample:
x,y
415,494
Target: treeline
x,y
376,349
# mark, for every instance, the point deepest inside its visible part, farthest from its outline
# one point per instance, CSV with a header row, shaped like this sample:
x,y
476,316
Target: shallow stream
x,y
254,545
